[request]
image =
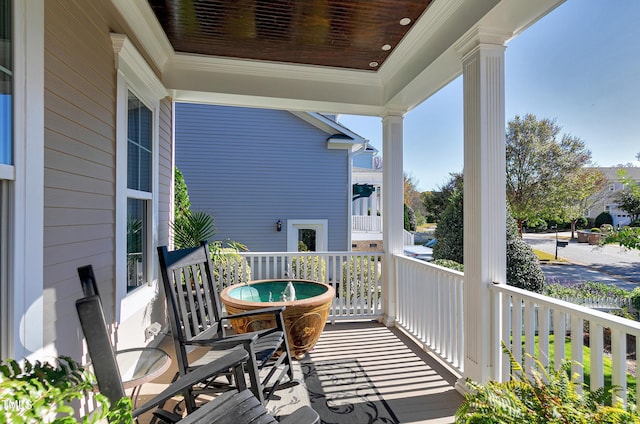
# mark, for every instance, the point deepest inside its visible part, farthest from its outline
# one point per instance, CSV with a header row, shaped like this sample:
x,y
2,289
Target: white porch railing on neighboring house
x,y
355,276
547,320
366,223
429,307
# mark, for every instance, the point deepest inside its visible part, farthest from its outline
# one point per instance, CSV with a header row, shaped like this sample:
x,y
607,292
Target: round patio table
x,y
141,365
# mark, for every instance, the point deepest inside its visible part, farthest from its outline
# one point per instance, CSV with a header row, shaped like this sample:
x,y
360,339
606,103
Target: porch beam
x,y
484,197
392,202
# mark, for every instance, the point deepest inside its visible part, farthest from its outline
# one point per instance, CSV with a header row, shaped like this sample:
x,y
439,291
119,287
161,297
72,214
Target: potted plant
x,y
594,236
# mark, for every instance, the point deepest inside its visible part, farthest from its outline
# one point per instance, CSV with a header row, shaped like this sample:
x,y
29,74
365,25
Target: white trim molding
x,y
26,255
321,226
136,76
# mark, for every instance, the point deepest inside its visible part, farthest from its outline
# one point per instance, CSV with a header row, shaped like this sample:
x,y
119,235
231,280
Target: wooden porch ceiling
x,y
351,34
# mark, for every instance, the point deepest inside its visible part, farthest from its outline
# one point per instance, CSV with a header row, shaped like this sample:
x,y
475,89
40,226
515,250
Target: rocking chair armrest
x,y
302,415
228,341
275,310
231,358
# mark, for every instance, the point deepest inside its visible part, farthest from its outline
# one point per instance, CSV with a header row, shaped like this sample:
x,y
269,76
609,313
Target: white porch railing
x,y
355,276
366,223
429,307
548,320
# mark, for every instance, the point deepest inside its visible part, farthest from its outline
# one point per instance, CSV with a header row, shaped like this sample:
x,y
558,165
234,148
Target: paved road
x,y
609,263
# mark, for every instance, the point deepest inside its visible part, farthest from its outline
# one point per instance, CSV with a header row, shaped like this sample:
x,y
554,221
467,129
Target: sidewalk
x,y
608,264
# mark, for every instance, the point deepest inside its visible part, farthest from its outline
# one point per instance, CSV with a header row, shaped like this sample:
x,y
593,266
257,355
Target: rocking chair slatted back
x,y
195,313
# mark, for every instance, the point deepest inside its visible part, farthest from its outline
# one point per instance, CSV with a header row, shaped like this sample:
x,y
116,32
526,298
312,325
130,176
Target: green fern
x,y
43,392
540,395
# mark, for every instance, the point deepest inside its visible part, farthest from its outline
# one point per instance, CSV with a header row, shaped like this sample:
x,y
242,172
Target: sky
x,y
579,65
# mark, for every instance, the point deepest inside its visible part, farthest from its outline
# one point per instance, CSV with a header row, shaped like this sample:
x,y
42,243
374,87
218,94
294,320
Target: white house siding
x,y
165,191
79,164
79,187
252,167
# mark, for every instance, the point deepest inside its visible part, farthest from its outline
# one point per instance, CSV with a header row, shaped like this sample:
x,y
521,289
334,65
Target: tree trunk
x,y
520,227
573,228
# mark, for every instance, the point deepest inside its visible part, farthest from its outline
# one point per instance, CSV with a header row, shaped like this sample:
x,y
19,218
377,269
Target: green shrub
x,y
449,231
604,218
359,275
634,298
541,395
309,268
585,290
581,223
523,267
42,393
635,223
448,263
228,266
627,236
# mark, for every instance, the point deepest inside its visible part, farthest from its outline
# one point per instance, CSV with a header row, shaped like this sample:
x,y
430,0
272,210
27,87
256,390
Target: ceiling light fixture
x,y
386,47
373,64
405,21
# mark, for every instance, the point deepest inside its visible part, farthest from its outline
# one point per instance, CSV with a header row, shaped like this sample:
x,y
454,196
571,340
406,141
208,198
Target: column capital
x,y
392,114
477,37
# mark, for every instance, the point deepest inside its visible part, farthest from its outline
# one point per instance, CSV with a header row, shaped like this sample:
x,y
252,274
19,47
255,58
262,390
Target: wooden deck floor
x,y
416,387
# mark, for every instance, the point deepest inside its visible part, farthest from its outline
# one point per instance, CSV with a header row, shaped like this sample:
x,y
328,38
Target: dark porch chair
x,y
196,319
235,406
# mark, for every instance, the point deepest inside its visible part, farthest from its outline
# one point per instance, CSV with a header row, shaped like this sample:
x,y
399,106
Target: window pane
x,y
139,136
306,240
136,243
6,83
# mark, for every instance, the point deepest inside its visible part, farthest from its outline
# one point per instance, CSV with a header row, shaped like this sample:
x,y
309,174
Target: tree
x,y
409,218
584,189
628,199
436,201
412,197
540,165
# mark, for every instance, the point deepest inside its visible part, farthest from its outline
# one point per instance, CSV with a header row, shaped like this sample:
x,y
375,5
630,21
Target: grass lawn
x,y
586,362
544,256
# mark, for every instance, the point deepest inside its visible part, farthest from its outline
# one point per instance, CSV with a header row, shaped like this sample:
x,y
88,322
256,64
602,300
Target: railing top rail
x,y
583,312
310,253
403,257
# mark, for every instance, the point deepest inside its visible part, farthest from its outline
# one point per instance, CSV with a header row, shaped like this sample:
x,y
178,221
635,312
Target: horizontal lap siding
x,y
252,167
79,162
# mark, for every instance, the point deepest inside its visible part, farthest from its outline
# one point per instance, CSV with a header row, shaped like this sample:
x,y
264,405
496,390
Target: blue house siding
x,y
252,167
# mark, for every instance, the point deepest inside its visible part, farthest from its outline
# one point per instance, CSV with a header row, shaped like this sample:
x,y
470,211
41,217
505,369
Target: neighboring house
x,y
366,230
252,168
605,201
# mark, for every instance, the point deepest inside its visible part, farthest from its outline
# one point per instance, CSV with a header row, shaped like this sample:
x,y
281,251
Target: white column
x,y
392,201
484,198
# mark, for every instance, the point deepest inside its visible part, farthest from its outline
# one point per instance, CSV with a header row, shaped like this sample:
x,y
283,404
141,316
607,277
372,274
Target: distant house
x,y
270,178
606,200
367,211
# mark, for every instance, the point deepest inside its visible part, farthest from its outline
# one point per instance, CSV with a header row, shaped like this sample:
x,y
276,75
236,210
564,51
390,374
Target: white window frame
x,y
321,226
135,76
